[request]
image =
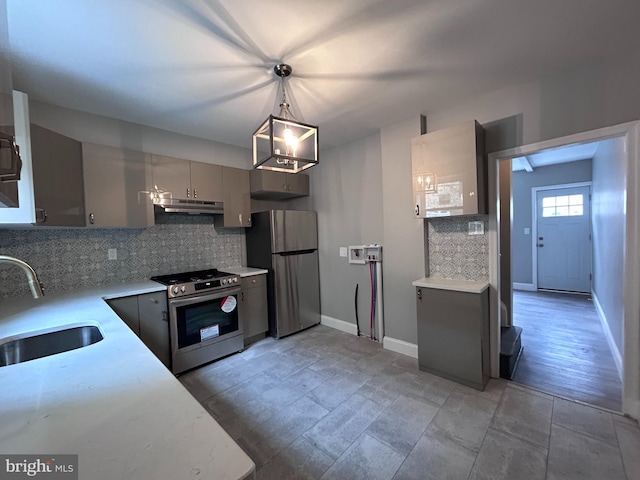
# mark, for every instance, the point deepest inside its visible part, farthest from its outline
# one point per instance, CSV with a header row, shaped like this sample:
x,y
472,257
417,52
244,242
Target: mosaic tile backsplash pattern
x,y
455,254
73,258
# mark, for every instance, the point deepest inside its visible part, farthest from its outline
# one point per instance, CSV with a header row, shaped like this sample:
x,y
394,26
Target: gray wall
x,y
75,258
580,98
346,194
607,210
403,234
522,183
100,130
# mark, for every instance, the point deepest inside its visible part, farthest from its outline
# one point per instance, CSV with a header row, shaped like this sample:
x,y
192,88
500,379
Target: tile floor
x,y
326,404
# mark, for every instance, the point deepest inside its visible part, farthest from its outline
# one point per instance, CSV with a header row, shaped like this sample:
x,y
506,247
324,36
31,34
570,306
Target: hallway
x,y
565,350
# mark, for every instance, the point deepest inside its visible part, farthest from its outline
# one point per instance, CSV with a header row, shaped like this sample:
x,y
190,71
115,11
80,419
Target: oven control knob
x,y
176,289
234,279
224,281
183,288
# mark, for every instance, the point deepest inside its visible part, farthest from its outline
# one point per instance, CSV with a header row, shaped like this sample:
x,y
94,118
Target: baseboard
x,y
339,324
617,358
632,408
400,346
392,344
527,287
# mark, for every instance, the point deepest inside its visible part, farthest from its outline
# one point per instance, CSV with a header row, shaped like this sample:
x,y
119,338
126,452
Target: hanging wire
x,y
285,111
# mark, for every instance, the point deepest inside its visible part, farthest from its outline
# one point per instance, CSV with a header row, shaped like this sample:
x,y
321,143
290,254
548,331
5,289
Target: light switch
x,y
112,254
343,251
527,231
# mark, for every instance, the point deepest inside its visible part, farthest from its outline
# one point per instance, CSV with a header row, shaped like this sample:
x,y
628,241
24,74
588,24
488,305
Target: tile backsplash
x,y
453,253
73,258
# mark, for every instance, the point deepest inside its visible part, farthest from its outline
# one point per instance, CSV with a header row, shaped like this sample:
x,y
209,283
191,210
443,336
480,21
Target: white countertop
x,y
455,285
246,271
113,403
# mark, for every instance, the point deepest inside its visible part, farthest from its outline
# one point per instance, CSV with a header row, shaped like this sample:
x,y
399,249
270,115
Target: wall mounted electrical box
x,y
356,254
372,253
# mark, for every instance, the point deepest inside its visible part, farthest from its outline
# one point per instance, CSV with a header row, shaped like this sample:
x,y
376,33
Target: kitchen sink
x,y
35,346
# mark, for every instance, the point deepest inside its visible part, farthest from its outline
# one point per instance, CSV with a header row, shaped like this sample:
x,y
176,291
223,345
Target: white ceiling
x,y
204,67
555,156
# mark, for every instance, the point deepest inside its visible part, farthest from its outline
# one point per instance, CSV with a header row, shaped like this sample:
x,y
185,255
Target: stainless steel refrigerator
x,y
285,242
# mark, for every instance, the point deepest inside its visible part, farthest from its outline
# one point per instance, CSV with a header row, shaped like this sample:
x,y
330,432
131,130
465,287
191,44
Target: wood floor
x,y
565,351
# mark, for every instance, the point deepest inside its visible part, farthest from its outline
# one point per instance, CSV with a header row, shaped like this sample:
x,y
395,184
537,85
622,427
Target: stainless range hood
x,y
193,207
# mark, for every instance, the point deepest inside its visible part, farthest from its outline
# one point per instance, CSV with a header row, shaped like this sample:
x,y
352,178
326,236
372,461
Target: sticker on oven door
x,y
228,304
209,332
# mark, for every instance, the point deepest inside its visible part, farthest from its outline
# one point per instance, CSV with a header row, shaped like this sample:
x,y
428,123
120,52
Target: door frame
x,y
631,329
534,227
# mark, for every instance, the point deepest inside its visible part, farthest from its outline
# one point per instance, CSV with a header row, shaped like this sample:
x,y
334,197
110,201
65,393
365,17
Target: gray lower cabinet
x,y
253,306
147,316
453,335
127,309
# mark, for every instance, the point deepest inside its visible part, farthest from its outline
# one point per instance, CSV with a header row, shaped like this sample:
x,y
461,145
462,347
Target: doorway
x,y
628,280
562,237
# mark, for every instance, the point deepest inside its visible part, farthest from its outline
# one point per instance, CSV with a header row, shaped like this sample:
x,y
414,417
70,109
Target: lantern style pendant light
x,y
282,143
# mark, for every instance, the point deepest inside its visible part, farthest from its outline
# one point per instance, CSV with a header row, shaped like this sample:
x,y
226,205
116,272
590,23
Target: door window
x,y
563,206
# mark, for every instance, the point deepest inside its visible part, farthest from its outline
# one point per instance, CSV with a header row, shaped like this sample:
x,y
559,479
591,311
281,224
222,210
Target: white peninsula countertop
x,y
113,403
454,285
246,271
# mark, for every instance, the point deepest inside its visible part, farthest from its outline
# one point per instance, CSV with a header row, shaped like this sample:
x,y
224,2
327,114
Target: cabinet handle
x,y
92,218
417,210
153,300
284,187
41,215
240,218
419,294
188,192
242,295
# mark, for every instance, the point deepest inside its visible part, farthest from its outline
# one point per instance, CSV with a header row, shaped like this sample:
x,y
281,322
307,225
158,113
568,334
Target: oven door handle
x,y
204,297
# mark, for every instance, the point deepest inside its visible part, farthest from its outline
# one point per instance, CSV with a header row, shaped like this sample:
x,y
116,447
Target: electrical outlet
x,y
112,254
343,252
476,228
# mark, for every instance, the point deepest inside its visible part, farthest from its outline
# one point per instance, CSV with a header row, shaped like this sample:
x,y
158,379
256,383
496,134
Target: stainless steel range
x,y
203,317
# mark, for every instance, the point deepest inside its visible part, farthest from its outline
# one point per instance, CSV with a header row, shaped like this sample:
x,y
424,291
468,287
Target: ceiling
x,y
205,67
555,156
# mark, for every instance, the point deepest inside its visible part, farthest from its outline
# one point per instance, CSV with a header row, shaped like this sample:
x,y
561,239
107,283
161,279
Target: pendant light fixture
x,y
282,143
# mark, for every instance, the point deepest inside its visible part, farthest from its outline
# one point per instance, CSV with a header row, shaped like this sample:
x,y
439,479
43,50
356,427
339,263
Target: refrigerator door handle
x,y
297,252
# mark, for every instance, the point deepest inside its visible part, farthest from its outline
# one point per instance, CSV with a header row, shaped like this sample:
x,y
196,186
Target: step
x,y
510,350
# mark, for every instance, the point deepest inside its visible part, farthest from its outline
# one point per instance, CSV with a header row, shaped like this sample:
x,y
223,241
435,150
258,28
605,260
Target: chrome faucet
x,y
34,283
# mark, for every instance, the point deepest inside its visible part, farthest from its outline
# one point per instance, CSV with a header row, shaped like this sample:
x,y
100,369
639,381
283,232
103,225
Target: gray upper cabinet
x,y
57,178
185,179
237,199
116,187
269,185
449,176
206,181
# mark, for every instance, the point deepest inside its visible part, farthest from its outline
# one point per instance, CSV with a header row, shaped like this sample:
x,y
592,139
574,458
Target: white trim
x,y
534,223
339,324
400,346
527,287
631,352
617,358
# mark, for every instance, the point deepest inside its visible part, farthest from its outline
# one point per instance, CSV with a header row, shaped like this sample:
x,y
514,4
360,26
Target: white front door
x,y
564,239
